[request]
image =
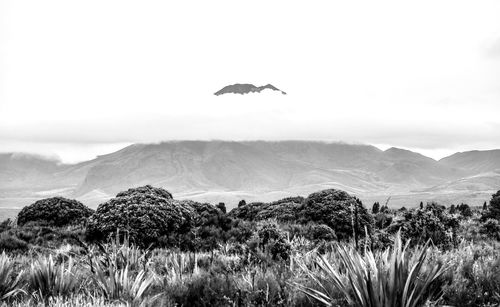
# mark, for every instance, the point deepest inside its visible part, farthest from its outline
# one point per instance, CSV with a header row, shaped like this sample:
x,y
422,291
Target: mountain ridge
x,y
256,170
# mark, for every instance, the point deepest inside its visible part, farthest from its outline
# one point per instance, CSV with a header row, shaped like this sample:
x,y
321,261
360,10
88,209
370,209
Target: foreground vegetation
x,y
143,248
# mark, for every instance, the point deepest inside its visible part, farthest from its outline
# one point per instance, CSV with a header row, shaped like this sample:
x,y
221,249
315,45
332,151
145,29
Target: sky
x,y
82,78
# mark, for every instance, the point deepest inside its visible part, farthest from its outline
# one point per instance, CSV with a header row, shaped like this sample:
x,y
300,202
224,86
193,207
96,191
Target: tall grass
x,y
395,277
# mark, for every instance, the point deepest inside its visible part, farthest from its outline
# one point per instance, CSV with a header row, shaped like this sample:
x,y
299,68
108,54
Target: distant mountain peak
x,y
246,88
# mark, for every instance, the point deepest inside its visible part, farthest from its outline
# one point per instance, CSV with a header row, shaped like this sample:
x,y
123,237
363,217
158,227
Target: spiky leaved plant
x,y
10,281
121,272
121,285
396,277
47,279
120,253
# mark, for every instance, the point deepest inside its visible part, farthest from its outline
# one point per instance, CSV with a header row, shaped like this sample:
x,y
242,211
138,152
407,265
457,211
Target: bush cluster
x,y
55,211
343,213
144,214
430,223
259,254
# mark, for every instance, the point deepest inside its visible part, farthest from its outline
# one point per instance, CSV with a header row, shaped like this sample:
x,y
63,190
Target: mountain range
x,y
216,171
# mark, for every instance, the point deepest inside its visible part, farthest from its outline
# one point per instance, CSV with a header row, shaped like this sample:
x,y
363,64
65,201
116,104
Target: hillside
x,y
474,161
254,170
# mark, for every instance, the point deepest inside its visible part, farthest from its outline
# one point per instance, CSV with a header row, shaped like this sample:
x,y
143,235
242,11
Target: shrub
x,y
208,227
337,209
273,240
246,211
241,231
432,222
464,210
315,233
145,214
6,225
283,210
10,243
491,228
19,238
55,211
493,210
382,220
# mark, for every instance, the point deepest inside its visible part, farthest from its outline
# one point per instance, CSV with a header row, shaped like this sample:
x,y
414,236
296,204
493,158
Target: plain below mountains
x,y
216,171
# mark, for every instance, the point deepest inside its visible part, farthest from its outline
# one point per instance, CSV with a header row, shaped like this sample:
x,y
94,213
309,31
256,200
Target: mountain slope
x,y
255,170
19,169
263,168
474,161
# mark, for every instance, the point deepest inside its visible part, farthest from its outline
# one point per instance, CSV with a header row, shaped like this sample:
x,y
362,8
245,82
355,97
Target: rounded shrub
x,y
274,241
491,228
337,209
55,211
431,223
144,214
320,232
282,211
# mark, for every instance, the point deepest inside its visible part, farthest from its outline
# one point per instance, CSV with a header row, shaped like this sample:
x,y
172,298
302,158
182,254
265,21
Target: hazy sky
x,y
80,78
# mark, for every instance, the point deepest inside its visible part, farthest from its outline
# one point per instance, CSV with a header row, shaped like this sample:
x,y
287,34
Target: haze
x,y
79,79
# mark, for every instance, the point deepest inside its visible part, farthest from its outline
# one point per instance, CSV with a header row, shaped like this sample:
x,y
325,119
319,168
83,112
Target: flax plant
x,y
396,277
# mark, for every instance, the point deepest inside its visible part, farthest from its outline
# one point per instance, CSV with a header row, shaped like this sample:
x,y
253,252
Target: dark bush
x,y
273,240
383,220
222,207
491,228
337,209
47,236
145,214
246,211
269,232
431,223
464,210
55,211
284,210
319,232
493,210
241,231
6,225
10,243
